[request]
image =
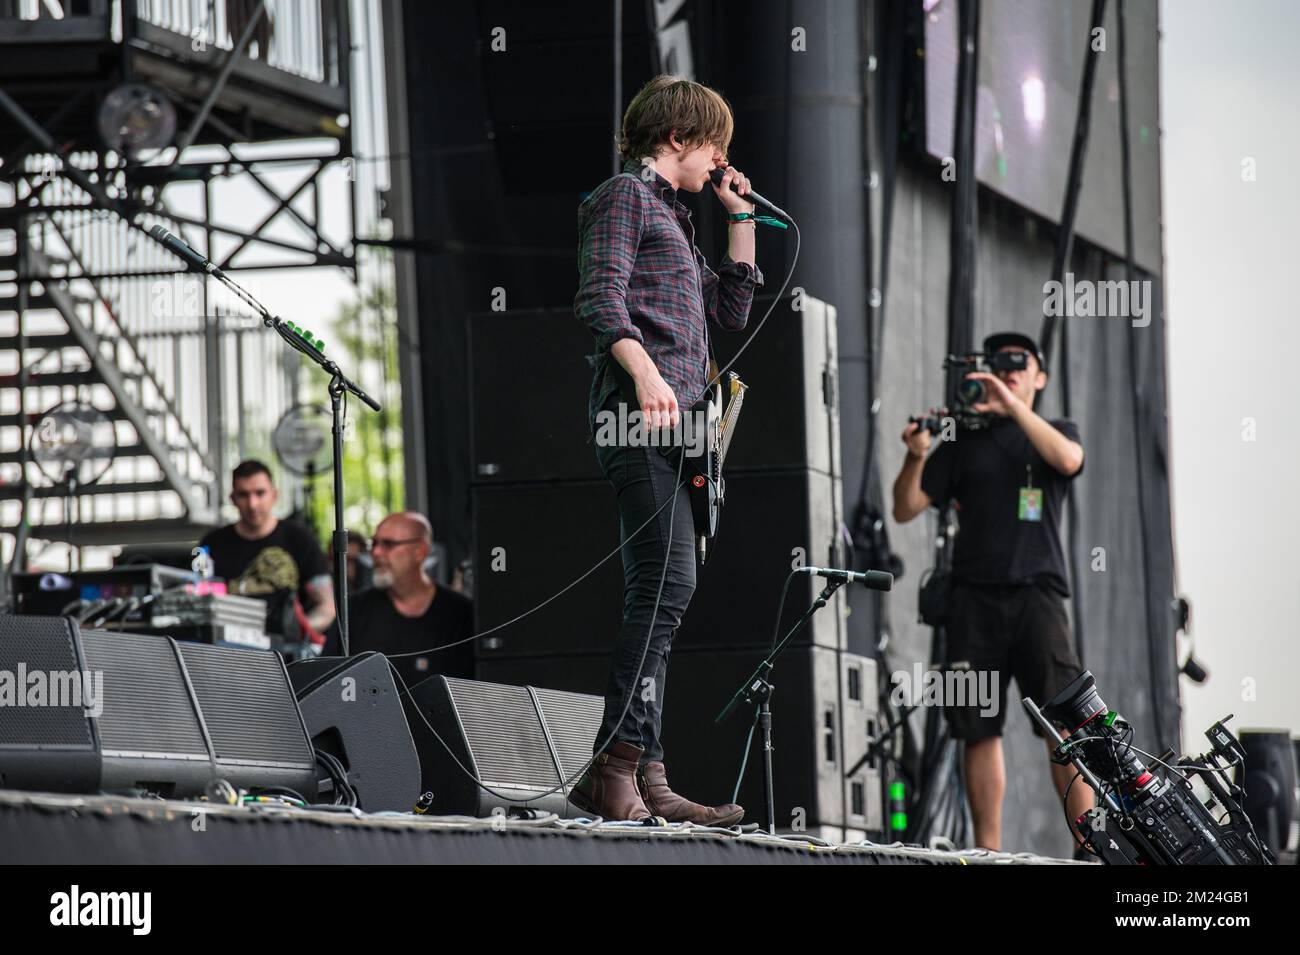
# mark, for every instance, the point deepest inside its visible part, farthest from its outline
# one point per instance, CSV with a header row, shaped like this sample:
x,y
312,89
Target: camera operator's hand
x,y
917,439
1000,399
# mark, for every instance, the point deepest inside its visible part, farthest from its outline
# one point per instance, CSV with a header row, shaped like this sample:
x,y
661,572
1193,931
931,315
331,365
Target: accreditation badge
x,y
1031,499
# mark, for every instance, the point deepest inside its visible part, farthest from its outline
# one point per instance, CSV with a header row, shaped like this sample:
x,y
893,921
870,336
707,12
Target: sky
x,y
1229,78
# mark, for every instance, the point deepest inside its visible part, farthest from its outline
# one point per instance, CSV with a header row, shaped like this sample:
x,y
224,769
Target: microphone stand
x,y
339,386
757,691
876,745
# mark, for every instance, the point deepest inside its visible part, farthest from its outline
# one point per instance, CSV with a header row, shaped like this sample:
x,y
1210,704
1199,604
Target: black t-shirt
x,y
983,471
374,624
271,568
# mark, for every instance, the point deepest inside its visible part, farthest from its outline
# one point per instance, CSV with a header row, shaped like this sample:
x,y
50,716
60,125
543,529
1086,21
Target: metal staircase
x,y
77,343
91,309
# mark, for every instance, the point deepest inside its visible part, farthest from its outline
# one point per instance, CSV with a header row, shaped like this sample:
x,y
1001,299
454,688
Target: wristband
x,y
752,217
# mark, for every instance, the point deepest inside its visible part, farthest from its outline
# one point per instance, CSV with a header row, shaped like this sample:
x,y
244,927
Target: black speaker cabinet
x,y
258,734
352,711
532,541
824,710
523,743
521,361
160,717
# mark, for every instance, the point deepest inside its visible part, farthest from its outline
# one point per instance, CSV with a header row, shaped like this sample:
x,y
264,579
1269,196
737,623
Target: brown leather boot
x,y
608,789
662,801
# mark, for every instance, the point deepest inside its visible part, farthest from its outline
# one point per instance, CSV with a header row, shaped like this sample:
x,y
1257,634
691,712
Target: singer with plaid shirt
x,y
648,296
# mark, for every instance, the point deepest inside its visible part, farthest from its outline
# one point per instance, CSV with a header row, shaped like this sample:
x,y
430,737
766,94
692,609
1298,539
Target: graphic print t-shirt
x,y
272,568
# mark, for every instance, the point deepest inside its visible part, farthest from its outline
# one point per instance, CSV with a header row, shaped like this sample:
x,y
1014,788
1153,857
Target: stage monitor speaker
x,y
821,725
532,541
85,712
521,742
48,747
790,418
259,739
159,717
353,711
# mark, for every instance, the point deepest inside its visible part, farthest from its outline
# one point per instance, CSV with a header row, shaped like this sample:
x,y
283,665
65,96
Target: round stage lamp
x,y
301,440
135,117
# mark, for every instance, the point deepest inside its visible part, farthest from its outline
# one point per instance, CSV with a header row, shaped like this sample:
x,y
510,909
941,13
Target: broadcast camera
x,y
1145,816
966,393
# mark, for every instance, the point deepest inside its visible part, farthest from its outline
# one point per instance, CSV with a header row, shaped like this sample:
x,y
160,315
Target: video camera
x,y
965,393
1145,816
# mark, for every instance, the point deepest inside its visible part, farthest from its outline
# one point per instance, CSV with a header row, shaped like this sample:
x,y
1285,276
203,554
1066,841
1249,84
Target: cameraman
x,y
1006,609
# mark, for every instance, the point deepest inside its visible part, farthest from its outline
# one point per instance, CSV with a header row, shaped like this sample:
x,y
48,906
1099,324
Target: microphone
x,y
874,579
174,245
716,177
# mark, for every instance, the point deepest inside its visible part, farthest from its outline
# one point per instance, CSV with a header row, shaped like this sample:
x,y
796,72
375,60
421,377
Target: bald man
x,y
405,611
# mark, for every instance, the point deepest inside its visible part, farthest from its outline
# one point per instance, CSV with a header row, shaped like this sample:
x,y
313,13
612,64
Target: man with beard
x,y
405,611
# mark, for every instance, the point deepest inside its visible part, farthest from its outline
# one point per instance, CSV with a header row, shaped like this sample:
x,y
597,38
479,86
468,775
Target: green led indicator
x,y
898,821
896,789
1111,717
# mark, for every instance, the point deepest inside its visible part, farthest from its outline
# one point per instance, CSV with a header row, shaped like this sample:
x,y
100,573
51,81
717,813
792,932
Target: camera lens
x,y
1076,704
971,390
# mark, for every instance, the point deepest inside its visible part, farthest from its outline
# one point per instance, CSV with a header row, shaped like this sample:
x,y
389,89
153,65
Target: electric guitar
x,y
717,413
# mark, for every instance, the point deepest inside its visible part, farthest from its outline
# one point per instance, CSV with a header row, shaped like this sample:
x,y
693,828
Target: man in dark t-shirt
x,y
1006,613
406,615
277,561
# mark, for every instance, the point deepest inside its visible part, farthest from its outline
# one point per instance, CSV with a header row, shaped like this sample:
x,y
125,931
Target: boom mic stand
x,y
757,691
300,341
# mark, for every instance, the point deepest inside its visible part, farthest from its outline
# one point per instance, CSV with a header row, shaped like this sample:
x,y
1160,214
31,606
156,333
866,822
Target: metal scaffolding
x,y
92,309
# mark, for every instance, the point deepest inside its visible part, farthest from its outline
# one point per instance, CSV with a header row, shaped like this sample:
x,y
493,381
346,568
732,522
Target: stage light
x,y
134,117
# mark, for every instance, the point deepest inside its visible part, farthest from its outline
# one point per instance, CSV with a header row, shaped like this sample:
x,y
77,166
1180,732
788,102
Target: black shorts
x,y
1013,631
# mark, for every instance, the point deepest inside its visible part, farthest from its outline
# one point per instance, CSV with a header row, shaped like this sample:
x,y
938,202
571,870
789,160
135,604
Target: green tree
x,y
364,337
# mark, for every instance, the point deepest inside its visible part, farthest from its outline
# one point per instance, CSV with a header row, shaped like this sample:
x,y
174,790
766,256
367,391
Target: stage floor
x,y
45,828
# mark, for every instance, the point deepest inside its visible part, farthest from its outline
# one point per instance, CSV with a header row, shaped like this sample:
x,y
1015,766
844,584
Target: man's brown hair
x,y
672,104
250,468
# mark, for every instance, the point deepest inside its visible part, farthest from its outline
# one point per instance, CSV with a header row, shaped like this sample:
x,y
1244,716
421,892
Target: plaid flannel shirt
x,y
642,277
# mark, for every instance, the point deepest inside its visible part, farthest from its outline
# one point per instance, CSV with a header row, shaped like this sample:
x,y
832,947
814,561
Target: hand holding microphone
x,y
731,187
734,180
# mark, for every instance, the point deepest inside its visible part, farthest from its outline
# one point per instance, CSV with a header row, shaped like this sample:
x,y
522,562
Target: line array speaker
x,y
789,421
532,540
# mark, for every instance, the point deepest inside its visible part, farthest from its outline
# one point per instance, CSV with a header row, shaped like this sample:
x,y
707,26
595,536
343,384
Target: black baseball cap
x,y
1002,339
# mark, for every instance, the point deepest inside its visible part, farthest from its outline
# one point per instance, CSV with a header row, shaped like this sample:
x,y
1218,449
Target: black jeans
x,y
644,478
